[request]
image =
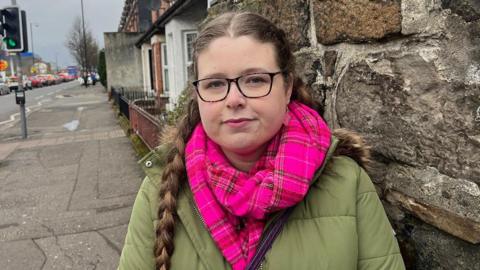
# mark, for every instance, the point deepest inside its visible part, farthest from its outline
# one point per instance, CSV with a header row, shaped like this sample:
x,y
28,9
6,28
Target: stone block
x,y
290,15
462,227
428,185
412,117
310,68
355,21
426,248
309,65
330,61
469,10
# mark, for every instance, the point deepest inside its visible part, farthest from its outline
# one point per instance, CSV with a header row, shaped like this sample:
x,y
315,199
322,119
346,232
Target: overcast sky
x,y
55,19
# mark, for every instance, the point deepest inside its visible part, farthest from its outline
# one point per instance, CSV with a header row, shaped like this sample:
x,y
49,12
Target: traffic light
x,y
12,29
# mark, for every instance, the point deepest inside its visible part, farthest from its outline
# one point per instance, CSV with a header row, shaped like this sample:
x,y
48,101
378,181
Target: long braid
x,y
174,172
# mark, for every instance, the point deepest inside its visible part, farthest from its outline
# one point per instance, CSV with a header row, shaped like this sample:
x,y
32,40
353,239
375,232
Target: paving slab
x,y
29,257
66,195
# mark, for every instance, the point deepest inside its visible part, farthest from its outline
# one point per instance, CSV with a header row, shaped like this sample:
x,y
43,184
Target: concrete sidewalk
x,y
66,196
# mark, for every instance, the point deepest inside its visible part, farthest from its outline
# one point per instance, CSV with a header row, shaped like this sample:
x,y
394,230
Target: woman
x,y
248,149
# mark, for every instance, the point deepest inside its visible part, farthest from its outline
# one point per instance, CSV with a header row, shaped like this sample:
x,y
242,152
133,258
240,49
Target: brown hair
x,y
233,25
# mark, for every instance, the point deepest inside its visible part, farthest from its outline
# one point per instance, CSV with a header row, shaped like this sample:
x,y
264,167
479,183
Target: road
x,y
34,97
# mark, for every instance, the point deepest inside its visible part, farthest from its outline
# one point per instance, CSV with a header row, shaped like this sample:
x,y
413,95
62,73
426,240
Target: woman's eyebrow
x,y
215,75
253,70
246,71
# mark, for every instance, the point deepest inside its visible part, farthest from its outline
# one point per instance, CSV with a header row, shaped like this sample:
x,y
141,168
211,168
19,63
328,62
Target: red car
x,y
36,81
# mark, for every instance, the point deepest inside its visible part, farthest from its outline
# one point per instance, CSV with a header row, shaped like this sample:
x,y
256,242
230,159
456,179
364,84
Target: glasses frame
x,y
229,82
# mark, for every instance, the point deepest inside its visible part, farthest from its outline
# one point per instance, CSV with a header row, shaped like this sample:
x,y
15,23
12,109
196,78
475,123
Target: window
x,y
189,38
151,68
165,69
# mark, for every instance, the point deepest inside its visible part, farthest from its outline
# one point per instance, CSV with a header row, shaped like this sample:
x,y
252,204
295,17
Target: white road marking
x,y
72,125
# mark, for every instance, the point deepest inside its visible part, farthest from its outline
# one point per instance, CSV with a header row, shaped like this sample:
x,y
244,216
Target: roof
x,y
159,25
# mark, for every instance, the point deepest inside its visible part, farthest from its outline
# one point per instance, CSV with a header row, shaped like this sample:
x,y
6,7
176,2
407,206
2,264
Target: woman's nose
x,y
234,97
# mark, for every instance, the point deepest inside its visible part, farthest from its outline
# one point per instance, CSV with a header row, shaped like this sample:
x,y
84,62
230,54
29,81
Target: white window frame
x,y
185,51
164,56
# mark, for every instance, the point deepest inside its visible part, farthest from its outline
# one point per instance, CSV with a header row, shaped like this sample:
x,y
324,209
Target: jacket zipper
x,y
262,240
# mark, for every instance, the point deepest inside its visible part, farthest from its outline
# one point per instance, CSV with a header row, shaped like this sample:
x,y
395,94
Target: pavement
x,y
66,192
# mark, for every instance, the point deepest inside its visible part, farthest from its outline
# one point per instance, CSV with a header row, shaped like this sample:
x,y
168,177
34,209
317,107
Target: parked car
x,y
43,80
27,83
58,79
36,82
65,77
12,83
52,79
47,79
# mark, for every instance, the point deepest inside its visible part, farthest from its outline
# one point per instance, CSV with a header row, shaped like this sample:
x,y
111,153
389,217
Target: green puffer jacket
x,y
341,224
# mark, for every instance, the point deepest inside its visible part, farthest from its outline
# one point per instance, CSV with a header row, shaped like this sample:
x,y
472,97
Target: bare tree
x,y
76,44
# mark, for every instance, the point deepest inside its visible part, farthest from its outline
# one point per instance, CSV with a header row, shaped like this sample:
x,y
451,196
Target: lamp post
x,y
56,62
85,75
33,50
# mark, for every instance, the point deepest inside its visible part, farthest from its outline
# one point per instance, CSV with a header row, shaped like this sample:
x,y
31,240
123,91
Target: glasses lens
x,y
255,85
212,89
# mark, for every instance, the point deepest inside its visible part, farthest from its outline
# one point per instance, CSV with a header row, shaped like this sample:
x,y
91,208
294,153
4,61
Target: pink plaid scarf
x,y
235,204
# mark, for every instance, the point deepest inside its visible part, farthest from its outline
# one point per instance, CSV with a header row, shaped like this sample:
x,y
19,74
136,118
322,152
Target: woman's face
x,y
240,125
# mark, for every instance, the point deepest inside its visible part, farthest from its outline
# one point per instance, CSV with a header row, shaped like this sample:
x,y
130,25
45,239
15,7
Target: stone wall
x,y
406,75
124,60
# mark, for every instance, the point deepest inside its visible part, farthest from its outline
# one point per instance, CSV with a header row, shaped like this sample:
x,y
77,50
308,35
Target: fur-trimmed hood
x,y
352,145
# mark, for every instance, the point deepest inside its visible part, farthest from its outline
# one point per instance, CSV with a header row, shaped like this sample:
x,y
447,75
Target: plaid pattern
x,y
234,204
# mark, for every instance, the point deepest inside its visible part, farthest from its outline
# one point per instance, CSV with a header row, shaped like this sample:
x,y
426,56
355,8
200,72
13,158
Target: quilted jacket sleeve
x,y
137,251
377,245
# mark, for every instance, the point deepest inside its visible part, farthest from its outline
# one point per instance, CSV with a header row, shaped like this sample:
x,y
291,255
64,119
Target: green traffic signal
x,y
10,42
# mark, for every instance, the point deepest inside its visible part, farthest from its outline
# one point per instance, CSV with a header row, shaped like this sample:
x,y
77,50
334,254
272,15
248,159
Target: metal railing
x,y
123,97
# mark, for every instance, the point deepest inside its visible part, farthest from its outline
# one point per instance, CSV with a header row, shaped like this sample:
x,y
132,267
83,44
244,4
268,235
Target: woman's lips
x,y
238,122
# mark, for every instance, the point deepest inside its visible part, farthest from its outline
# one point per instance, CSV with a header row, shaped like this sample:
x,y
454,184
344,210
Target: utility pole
x,y
20,92
22,104
85,75
33,50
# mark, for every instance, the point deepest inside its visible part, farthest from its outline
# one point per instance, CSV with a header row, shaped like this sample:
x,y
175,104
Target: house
x,y
125,64
167,47
147,71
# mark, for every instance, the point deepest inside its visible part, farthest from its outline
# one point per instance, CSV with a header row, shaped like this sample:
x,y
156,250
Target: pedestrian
x,y
85,78
94,78
253,165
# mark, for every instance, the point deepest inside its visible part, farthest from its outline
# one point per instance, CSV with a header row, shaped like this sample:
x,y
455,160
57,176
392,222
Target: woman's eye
x,y
216,84
256,80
